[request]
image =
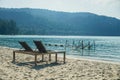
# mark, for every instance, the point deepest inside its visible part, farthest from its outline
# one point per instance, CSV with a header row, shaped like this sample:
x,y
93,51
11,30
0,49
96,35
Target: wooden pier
x,y
81,44
75,45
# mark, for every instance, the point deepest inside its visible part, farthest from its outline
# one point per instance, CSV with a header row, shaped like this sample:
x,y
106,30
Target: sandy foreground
x,y
74,69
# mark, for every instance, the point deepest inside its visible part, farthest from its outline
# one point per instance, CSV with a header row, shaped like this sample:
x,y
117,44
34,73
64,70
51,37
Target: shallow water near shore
x,y
106,48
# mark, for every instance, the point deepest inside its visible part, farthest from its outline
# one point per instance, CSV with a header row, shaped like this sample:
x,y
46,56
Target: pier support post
x,y
89,45
94,45
82,45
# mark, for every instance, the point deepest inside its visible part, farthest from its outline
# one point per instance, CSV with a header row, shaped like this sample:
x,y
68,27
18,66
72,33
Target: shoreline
x,y
95,60
76,58
73,69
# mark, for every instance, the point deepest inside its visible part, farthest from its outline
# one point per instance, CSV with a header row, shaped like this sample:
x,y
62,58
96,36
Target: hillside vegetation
x,y
46,22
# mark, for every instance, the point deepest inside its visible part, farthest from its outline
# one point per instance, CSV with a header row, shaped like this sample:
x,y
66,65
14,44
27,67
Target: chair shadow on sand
x,y
38,67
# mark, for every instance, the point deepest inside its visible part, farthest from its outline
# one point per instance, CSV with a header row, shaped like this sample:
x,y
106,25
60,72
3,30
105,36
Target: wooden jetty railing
x,y
81,45
75,45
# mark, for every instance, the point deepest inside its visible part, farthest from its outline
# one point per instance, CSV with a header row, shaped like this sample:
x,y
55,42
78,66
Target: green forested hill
x,y
8,27
46,22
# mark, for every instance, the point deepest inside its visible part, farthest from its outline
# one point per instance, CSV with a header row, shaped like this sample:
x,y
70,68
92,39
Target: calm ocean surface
x,y
106,48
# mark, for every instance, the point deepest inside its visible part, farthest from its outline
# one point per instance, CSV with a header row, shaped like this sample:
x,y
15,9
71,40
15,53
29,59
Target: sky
x,y
102,7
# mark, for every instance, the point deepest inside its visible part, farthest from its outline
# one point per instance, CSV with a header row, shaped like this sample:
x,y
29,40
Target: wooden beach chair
x,y
43,50
27,50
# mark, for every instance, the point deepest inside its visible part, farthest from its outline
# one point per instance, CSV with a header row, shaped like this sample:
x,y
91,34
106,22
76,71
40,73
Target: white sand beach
x,y
74,69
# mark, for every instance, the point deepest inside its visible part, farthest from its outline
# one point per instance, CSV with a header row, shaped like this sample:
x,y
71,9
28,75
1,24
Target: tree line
x,y
8,27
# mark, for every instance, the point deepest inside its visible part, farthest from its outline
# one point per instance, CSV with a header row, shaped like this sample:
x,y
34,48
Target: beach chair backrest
x,y
25,46
40,46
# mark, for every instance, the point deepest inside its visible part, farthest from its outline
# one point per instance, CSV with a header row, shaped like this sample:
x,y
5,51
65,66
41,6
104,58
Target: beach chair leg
x,y
49,57
13,57
56,57
42,57
64,57
35,60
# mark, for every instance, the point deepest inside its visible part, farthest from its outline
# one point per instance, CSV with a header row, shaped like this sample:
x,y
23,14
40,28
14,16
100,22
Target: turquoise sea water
x,y
106,48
